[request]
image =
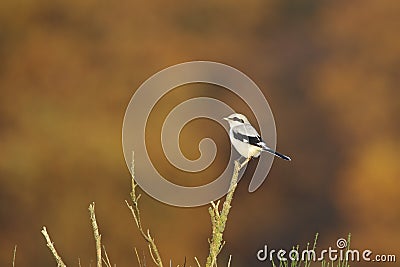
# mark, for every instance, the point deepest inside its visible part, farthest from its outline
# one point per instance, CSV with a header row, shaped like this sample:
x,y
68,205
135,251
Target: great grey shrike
x,y
246,140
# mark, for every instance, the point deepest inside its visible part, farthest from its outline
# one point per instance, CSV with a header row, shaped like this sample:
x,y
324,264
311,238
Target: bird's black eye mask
x,y
237,119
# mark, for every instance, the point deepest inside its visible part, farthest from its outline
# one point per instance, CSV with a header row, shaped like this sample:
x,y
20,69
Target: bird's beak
x,y
227,119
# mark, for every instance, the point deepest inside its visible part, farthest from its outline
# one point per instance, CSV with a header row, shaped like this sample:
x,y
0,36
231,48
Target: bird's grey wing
x,y
247,134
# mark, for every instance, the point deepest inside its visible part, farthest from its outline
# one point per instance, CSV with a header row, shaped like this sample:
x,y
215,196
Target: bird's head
x,y
236,119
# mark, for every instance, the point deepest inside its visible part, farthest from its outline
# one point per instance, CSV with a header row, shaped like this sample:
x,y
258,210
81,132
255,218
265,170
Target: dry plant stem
x,y
107,259
197,261
14,254
244,163
97,236
53,250
229,262
155,255
138,258
219,218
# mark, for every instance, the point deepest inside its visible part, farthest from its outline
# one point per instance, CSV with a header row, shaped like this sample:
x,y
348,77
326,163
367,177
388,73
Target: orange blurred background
x,y
69,68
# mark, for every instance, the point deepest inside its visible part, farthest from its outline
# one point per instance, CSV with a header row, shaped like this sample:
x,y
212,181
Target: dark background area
x,y
329,69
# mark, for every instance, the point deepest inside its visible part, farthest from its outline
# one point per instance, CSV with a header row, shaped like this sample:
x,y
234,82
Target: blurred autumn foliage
x,y
329,69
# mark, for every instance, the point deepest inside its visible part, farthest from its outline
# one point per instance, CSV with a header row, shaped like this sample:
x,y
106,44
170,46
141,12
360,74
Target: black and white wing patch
x,y
247,134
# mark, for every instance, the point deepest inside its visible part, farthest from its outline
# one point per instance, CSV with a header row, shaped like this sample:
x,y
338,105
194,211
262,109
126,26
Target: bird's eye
x,y
238,120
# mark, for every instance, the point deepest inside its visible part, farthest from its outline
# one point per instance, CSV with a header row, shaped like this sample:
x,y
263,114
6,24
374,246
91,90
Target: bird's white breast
x,y
245,149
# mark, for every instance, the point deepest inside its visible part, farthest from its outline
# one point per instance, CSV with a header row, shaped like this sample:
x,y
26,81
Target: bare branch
x,y
155,255
14,254
229,261
219,219
53,250
244,163
138,258
96,234
106,259
197,261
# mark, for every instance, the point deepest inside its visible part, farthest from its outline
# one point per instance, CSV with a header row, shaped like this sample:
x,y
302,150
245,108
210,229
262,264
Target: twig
x,y
53,250
155,255
144,259
229,261
106,259
151,254
219,218
197,261
14,254
138,258
245,162
97,236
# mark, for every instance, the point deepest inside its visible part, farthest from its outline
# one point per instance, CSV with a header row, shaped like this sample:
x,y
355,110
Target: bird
x,y
246,140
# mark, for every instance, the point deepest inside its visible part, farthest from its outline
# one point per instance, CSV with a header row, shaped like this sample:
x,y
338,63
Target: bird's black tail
x,y
277,154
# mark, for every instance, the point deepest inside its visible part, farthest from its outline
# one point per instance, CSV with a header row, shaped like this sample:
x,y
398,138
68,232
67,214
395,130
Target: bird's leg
x,y
245,162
